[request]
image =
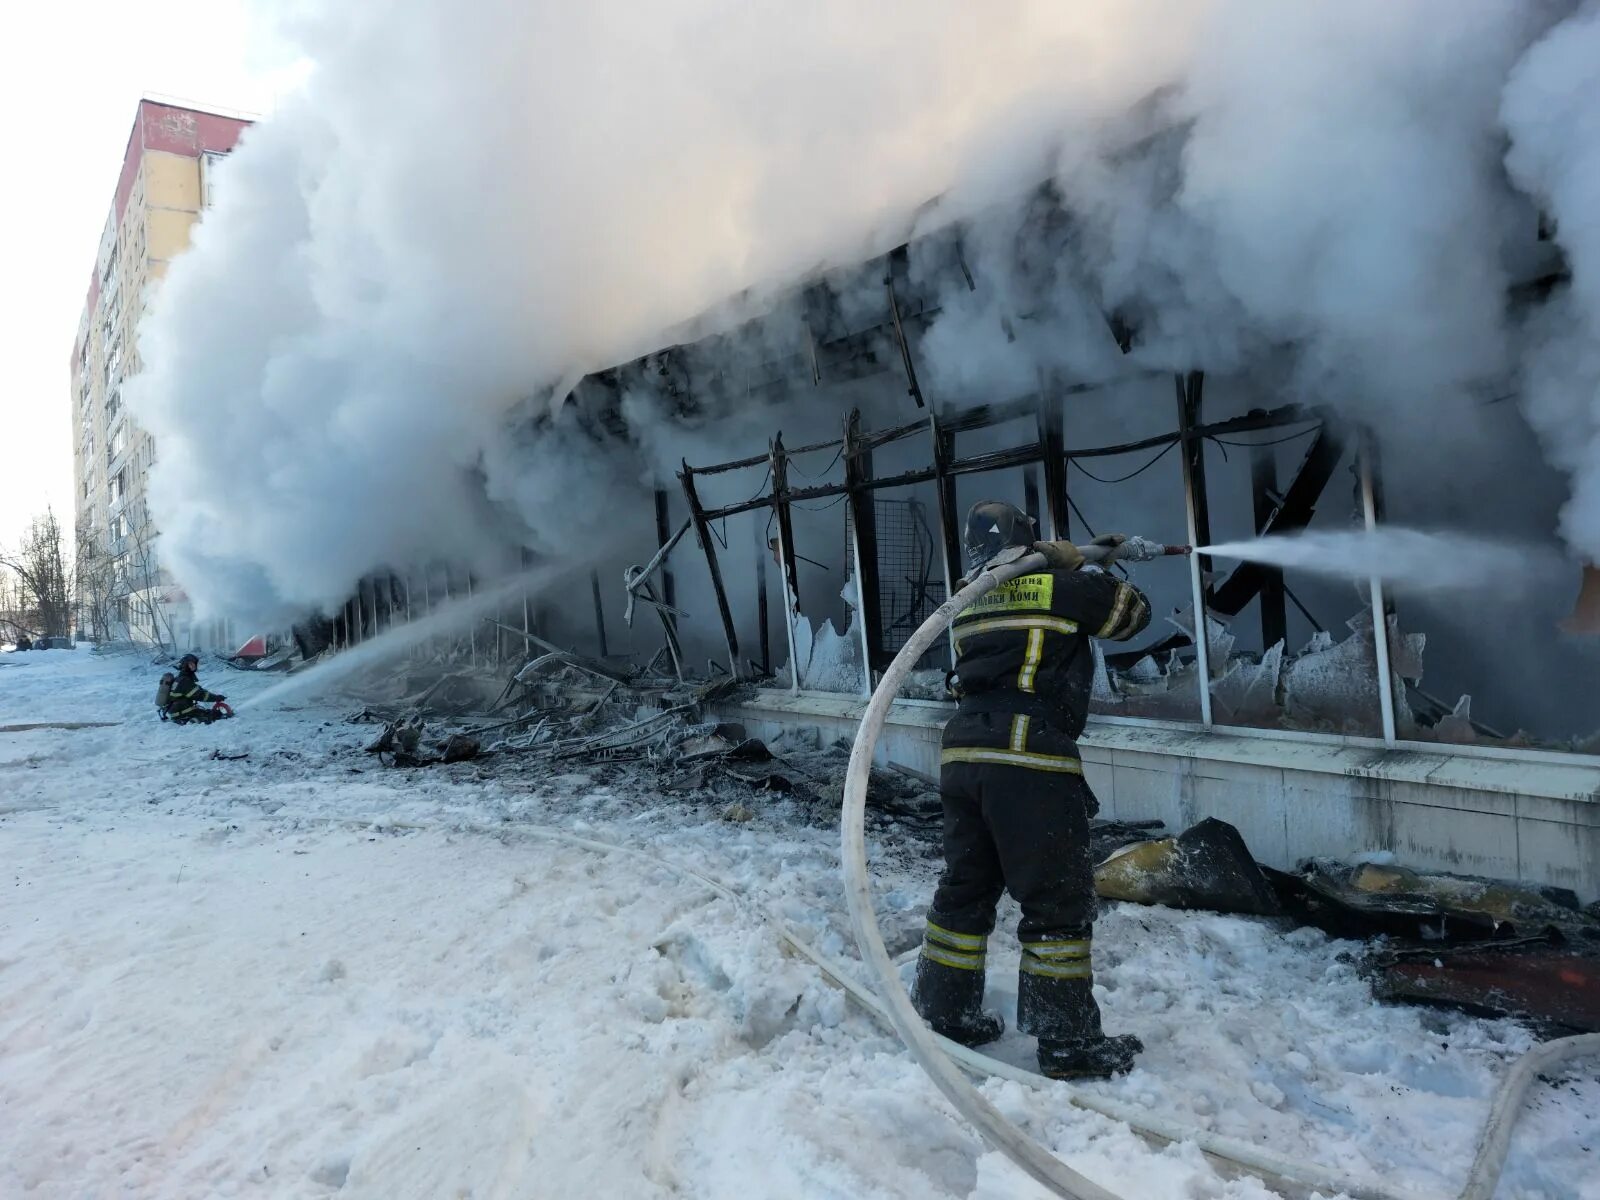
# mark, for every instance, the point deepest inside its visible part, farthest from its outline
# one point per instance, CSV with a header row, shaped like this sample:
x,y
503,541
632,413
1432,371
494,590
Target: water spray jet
x,y
399,638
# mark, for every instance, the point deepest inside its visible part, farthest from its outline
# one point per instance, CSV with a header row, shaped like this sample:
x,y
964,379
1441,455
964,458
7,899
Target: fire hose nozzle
x,y
1133,549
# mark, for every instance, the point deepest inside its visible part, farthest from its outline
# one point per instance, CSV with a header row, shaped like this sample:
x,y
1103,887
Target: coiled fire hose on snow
x,y
936,1055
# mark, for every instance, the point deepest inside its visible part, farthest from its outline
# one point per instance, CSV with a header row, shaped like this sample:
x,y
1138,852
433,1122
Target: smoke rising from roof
x,y
470,207
1552,113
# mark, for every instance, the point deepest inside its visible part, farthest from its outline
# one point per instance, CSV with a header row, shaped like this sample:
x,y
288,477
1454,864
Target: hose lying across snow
x,y
938,1056
1282,1174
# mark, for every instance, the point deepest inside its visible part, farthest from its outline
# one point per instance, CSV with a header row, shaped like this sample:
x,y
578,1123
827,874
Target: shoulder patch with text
x,y
1026,593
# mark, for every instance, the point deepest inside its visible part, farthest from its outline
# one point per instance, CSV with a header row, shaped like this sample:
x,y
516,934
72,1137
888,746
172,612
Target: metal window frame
x,y
1274,512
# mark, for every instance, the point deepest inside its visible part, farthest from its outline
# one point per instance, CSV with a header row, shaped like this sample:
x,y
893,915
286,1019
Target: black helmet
x,y
994,525
189,660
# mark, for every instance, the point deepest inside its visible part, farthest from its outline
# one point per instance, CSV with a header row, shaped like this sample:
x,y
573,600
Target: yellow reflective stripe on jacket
x,y
1118,610
962,630
1011,758
952,958
1019,733
1031,660
1079,969
957,941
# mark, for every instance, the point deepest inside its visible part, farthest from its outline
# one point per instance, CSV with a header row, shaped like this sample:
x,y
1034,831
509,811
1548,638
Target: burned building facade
x,y
780,493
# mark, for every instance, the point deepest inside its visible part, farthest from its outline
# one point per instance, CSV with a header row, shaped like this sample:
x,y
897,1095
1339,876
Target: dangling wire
x,y
1274,442
1130,474
836,456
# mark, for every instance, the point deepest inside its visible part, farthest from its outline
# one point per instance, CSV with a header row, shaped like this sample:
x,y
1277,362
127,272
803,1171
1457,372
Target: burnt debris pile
x,y
563,711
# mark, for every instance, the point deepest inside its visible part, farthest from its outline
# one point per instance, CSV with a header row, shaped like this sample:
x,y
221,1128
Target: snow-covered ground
x,y
301,974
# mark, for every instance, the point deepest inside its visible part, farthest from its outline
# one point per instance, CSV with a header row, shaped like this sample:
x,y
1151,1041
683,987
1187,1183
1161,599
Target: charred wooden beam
x,y
944,443
599,612
863,518
882,437
778,460
1258,419
997,460
755,460
702,533
1298,506
669,591
783,549
1193,447
1264,500
1190,389
897,263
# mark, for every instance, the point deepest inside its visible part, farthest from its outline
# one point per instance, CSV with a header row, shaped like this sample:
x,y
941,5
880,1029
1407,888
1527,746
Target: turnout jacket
x,y
186,694
1025,667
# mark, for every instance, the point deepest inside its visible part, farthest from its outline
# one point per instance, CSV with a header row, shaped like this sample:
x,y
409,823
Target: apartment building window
x,y
109,277
113,404
210,160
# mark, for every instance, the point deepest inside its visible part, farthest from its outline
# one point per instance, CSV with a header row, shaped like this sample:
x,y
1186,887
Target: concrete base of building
x,y
1509,814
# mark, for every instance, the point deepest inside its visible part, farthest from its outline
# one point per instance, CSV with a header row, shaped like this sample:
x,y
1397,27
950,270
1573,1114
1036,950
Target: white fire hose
x,y
936,1054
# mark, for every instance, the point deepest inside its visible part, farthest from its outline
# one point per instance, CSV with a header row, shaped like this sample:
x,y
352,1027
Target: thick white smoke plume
x,y
469,207
1552,111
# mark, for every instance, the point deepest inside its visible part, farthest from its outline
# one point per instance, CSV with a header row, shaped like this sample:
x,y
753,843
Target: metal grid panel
x,y
910,574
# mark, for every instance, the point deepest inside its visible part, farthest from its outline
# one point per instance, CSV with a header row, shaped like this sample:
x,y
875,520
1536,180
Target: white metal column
x,y
789,608
1202,634
1380,617
861,607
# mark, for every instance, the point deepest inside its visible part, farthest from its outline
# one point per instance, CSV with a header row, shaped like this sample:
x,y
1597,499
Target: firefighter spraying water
x,y
180,697
1016,806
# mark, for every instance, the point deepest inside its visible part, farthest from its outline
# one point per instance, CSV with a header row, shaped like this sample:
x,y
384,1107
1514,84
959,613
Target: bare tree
x,y
96,581
140,579
47,587
17,619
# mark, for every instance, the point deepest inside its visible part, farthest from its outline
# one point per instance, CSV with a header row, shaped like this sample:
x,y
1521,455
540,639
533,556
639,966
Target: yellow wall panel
x,y
169,232
171,181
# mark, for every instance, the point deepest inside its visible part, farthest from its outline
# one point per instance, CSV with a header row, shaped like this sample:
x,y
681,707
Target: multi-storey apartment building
x,y
168,174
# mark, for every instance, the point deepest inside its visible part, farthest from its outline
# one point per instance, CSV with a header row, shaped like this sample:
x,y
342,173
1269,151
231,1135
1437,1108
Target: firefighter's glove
x,y
1060,556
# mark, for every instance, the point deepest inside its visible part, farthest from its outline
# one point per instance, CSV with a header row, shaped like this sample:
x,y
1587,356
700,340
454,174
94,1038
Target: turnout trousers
x,y
1016,818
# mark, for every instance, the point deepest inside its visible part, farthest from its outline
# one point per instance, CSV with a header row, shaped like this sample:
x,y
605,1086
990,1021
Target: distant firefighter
x,y
180,696
1016,807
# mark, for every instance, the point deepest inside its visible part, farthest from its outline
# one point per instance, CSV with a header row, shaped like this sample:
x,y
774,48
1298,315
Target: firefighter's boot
x,y
1089,1058
948,990
1055,1003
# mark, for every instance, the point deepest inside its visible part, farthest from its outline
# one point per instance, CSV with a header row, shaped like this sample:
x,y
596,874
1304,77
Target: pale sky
x,y
71,74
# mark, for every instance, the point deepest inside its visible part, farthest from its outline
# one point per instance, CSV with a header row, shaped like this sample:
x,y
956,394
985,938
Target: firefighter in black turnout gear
x,y
1016,807
185,695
